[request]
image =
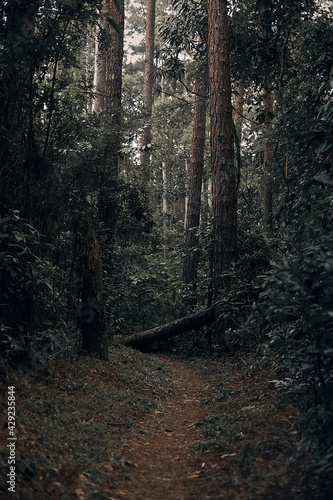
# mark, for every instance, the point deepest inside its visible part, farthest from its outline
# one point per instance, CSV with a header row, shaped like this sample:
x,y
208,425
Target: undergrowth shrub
x,y
299,298
148,291
28,298
245,278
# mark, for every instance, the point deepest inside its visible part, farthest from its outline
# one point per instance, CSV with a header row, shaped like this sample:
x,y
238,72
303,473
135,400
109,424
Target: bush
x,y
238,303
27,295
299,298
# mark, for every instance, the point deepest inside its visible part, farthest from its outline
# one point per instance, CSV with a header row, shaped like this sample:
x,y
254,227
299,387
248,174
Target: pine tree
x,y
195,179
148,90
222,151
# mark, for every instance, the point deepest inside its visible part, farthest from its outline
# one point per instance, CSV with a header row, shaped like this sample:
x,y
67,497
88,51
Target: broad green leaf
x,y
324,178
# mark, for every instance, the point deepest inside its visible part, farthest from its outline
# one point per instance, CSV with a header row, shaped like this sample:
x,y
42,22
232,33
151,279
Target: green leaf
x,y
324,179
322,148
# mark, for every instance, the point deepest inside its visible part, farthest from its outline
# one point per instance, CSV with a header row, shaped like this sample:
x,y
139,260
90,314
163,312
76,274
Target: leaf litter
x,y
72,417
191,429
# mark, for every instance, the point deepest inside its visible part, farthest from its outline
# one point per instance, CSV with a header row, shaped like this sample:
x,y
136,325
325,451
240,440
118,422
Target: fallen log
x,y
182,325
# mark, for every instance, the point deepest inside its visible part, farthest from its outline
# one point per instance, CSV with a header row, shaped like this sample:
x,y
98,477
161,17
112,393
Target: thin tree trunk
x,y
165,211
210,194
204,201
180,213
148,91
266,31
99,77
195,180
113,95
268,158
222,153
95,80
239,108
186,196
114,69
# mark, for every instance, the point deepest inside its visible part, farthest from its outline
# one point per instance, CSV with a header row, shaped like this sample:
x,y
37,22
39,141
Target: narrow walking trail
x,y
108,443
164,465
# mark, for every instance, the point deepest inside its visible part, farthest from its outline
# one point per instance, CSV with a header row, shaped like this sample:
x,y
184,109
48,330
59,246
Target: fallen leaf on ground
x,y
229,455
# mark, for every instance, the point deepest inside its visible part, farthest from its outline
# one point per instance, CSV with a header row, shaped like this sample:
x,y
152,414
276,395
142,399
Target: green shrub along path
x,y
157,427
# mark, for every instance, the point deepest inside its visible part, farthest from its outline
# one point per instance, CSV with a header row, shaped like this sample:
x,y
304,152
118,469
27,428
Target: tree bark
x,y
114,65
91,309
239,110
165,211
266,32
113,95
193,322
195,180
222,152
148,90
268,158
99,77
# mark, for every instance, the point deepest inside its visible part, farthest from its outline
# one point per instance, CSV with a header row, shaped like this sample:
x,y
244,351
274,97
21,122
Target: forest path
x,y
165,466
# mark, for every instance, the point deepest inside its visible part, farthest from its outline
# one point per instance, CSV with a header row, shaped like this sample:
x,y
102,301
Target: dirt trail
x,y
166,468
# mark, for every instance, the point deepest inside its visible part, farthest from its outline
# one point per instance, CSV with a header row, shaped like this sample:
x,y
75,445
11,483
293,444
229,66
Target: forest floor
x,y
153,427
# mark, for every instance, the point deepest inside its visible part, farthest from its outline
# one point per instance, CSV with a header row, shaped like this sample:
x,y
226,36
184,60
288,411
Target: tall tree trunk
x,y
222,153
113,94
94,335
266,32
148,90
268,158
114,67
195,180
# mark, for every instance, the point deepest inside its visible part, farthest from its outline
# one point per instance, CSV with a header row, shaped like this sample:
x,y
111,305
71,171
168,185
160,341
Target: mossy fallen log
x,y
182,325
